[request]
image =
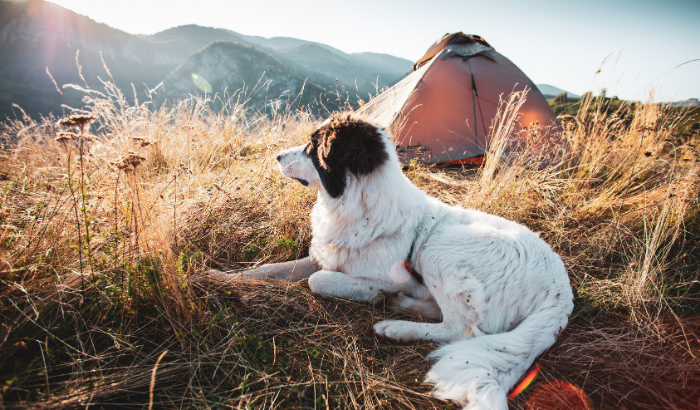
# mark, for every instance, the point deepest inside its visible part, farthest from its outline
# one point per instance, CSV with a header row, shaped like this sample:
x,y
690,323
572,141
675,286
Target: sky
x,y
638,45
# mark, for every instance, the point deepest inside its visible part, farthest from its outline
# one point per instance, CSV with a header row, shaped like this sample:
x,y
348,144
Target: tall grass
x,y
107,235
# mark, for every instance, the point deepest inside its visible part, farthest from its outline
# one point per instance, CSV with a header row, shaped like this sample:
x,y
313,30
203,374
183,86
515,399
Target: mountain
x,y
387,67
229,66
322,63
551,91
691,102
188,39
36,35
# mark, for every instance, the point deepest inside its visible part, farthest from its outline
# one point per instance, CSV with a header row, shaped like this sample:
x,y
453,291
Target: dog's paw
x,y
393,330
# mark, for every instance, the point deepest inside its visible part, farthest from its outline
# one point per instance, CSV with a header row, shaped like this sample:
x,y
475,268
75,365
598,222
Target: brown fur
x,y
348,141
345,143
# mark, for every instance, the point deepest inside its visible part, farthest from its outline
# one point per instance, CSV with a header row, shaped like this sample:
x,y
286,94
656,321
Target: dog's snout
x,y
279,157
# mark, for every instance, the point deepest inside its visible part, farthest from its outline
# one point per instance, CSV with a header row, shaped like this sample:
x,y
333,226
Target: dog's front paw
x,y
394,330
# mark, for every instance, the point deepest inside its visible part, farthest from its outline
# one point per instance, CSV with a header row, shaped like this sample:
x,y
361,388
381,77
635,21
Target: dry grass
x,y
106,235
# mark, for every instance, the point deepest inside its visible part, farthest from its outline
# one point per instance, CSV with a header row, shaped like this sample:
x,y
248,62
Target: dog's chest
x,y
352,248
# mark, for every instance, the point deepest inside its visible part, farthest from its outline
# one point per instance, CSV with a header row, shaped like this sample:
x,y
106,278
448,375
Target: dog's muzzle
x,y
279,159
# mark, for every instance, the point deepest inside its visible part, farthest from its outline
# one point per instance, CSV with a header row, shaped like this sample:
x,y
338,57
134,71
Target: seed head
x,y
77,120
142,141
129,162
66,136
89,138
184,168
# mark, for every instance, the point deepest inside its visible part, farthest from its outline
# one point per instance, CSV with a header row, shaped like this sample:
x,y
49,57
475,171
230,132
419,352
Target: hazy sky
x,y
562,43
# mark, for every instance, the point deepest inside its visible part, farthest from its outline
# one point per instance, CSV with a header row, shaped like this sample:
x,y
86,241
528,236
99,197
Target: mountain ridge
x,y
551,91
36,36
229,66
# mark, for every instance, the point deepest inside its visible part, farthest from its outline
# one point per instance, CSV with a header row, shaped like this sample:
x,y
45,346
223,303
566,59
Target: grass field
x,y
688,126
110,222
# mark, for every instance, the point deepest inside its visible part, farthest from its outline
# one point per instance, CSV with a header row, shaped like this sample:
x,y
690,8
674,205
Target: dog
x,y
500,293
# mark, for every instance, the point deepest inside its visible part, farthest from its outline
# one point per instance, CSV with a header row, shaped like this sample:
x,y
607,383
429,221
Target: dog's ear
x,y
346,143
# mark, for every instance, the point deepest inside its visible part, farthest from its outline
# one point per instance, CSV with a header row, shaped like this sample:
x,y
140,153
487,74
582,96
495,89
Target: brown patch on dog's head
x,y
345,143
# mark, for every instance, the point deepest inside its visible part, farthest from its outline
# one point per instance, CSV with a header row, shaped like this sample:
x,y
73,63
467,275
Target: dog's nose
x,y
279,157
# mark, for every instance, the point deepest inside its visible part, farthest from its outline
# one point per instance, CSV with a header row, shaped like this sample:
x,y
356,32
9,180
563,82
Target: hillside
x,y
331,65
37,35
549,91
386,67
691,102
229,66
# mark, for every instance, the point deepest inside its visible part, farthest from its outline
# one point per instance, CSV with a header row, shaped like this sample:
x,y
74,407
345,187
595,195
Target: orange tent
x,y
443,110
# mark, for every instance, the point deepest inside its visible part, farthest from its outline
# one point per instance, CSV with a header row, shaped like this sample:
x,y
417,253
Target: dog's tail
x,y
478,372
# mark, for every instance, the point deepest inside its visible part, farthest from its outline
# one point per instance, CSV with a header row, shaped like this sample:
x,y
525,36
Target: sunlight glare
x,y
202,83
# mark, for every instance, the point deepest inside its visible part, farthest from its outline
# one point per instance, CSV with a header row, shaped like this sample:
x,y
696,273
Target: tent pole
x,y
475,92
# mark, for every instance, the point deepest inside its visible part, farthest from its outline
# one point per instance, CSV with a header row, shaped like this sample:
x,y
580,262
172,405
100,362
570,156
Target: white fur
x,y
502,292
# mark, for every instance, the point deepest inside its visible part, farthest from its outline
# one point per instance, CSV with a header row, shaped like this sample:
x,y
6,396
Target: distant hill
x,y
191,38
550,91
691,102
387,67
37,34
230,66
324,66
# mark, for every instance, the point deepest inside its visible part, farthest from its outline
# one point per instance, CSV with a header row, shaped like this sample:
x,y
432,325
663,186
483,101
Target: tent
x,y
442,111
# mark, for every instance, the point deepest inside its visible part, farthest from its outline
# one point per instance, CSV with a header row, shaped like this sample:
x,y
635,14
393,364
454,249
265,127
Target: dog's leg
x,y
460,304
361,289
291,270
404,331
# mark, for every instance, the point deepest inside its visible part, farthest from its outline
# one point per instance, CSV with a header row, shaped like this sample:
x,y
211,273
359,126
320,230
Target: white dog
x,y
501,293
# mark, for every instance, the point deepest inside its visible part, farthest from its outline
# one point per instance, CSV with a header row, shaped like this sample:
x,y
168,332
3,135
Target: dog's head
x,y
343,145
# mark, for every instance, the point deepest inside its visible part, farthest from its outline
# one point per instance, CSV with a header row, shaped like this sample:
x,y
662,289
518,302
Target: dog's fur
x,y
501,293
